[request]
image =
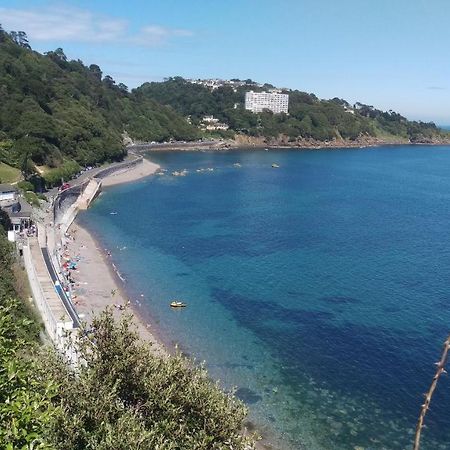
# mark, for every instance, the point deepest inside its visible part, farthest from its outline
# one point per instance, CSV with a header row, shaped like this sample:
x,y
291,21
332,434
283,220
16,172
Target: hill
x,y
309,117
53,110
57,113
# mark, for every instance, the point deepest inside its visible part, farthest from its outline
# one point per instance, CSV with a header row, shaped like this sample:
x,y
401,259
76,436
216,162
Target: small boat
x,y
237,165
181,173
177,304
113,213
275,166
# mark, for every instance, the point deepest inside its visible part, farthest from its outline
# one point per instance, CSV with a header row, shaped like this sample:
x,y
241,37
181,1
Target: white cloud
x,y
77,25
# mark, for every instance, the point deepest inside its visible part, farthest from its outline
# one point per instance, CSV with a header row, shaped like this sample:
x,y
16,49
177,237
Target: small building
x,y
217,126
18,210
8,195
20,216
210,119
211,123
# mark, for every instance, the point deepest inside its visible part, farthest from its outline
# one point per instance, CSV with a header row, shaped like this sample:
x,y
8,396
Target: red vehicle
x,y
64,186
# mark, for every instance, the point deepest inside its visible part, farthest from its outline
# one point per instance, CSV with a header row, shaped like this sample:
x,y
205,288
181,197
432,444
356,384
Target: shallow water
x,y
319,289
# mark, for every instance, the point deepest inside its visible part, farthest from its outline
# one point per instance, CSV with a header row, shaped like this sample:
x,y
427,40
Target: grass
x,y
31,198
8,174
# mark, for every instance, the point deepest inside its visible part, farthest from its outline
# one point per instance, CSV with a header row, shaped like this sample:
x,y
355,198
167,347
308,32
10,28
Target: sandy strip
x,y
97,283
137,172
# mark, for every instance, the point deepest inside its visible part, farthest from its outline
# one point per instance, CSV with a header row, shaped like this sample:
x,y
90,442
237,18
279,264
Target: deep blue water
x,y
321,289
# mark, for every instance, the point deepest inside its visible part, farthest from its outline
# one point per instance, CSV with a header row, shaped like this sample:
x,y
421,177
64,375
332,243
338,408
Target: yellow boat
x,y
177,304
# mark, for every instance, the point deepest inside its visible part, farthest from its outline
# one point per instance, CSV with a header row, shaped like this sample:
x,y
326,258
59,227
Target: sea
x,y
319,290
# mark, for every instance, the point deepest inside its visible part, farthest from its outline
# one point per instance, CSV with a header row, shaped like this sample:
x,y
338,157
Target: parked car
x,y
64,186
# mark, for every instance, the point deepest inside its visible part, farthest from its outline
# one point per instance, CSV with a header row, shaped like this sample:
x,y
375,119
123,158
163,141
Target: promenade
x,y
43,253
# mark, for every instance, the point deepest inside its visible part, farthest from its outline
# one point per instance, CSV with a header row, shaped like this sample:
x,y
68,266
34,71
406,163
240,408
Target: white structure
x,y
8,195
258,101
216,126
210,119
211,123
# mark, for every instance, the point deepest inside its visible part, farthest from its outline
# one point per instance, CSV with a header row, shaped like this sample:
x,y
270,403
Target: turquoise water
x,y
319,289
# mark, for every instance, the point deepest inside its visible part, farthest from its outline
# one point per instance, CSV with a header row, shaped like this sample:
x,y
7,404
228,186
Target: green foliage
x,y
7,289
25,186
8,174
65,172
5,222
32,198
25,400
53,110
308,116
126,397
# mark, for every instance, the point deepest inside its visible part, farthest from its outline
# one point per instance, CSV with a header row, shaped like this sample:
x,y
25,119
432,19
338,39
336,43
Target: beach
x,y
96,282
128,175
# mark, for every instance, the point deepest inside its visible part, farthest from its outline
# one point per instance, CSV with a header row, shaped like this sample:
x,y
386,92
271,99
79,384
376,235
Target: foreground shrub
x,y
26,407
126,397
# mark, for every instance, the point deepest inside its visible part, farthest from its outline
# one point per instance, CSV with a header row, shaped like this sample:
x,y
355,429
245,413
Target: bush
x,y
126,397
66,172
25,186
32,198
25,401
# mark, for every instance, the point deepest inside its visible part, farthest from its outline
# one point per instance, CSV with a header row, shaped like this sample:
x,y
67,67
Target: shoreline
x,y
97,277
97,281
254,144
128,175
99,284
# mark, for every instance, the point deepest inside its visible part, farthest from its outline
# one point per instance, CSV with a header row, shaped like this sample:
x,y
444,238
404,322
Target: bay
x,y
319,289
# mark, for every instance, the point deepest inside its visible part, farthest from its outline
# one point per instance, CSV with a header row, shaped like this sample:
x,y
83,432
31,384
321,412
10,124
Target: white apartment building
x,y
258,101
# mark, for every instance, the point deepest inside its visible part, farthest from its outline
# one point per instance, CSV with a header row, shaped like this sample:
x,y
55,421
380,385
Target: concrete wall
x,y
57,324
120,167
65,208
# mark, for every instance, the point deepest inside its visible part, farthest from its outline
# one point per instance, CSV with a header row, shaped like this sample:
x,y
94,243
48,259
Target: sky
x,y
392,54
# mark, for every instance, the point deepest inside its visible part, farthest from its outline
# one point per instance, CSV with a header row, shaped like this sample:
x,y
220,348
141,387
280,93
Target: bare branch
x,y
426,405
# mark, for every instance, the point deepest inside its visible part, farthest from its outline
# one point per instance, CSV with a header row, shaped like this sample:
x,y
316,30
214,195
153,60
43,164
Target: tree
x,y
5,221
96,71
109,81
122,87
26,164
57,55
3,34
20,38
23,40
14,36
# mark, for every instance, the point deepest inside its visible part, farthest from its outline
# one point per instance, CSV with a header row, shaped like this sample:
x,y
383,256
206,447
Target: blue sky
x,y
393,54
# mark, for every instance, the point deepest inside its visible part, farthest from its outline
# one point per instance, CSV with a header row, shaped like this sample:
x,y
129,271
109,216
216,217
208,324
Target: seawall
x,y
42,256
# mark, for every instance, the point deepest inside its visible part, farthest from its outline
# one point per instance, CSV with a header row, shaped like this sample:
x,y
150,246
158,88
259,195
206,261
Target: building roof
x,y
7,188
21,210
